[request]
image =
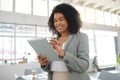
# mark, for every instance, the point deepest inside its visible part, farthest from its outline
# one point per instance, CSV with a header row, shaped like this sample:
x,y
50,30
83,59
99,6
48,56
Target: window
x,y
102,45
107,18
90,15
52,4
119,21
90,34
24,50
13,41
7,42
43,32
25,30
23,6
40,7
81,10
100,18
105,47
114,20
6,5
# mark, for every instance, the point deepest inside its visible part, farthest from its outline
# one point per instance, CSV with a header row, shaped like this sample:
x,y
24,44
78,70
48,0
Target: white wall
x,y
17,18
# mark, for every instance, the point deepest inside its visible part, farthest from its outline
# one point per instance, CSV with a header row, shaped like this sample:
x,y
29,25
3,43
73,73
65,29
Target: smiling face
x,y
60,23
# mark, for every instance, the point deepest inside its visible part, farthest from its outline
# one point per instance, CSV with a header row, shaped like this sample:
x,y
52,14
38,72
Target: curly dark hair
x,y
71,15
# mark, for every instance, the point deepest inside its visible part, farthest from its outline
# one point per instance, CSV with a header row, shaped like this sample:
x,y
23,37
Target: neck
x,y
65,35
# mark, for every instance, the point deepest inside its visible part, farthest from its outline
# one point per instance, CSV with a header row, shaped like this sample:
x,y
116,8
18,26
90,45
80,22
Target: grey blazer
x,y
76,58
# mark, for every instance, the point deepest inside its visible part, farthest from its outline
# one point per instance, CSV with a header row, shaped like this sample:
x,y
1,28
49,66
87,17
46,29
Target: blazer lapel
x,y
68,40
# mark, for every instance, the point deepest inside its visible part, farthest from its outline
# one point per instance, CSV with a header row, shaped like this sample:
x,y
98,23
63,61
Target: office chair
x,y
38,70
105,75
20,78
27,71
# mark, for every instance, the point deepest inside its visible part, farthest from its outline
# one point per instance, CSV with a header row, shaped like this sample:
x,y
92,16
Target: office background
x,y
21,20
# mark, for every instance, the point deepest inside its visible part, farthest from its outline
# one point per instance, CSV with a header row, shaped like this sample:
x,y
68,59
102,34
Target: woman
x,y
71,46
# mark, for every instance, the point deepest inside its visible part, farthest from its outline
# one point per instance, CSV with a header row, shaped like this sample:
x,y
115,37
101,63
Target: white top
x,y
59,65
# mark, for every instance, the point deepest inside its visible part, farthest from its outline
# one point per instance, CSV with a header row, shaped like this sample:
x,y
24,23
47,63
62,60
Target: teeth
x,y
60,27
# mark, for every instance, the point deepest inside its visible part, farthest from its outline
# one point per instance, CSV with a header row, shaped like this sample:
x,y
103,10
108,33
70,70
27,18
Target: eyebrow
x,y
60,17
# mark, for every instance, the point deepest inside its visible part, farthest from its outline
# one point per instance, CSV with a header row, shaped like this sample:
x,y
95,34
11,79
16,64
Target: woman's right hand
x,y
42,60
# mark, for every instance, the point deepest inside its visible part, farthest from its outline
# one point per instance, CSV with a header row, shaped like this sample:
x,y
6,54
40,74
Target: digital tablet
x,y
42,47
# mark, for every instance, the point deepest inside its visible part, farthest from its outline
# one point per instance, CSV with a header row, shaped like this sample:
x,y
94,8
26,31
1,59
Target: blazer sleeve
x,y
80,61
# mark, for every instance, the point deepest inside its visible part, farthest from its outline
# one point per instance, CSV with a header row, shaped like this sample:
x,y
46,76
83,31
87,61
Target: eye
x,y
61,19
55,20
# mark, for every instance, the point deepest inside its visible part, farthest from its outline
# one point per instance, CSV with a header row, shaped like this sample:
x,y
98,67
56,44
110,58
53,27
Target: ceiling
x,y
112,6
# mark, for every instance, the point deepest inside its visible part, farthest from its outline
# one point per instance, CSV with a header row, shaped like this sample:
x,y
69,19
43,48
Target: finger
x,y
53,40
39,56
43,58
43,62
